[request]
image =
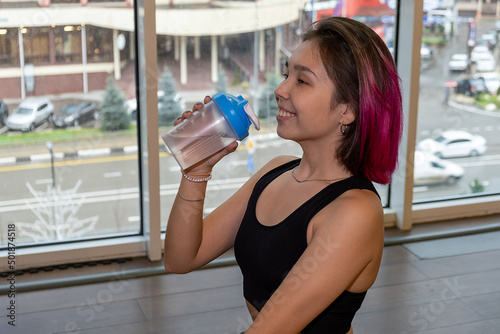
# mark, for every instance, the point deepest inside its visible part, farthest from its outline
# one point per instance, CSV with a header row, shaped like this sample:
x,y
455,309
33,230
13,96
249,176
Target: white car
x,y
30,113
426,52
458,62
131,104
454,143
485,63
491,38
479,51
491,79
430,170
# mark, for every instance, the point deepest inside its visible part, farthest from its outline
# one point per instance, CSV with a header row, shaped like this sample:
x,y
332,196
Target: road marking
x,y
69,163
486,128
174,169
117,194
479,163
43,181
237,163
113,174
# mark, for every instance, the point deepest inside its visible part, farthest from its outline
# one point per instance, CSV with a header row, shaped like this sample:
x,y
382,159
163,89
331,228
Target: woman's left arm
x,y
343,253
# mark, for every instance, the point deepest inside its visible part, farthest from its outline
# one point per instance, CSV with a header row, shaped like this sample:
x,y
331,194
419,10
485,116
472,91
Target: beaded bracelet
x,y
190,200
192,179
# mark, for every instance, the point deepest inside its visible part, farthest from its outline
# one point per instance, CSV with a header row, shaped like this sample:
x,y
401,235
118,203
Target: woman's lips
x,y
284,113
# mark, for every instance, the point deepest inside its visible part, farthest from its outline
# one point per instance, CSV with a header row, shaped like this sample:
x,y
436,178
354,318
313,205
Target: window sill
x,y
96,250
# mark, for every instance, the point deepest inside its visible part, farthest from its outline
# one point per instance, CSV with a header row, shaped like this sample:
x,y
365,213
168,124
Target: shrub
x,y
113,111
168,101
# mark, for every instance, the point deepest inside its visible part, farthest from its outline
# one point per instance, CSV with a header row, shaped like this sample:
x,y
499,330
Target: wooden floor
x,y
453,294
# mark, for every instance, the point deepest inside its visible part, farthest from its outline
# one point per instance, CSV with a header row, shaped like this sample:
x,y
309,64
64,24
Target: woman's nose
x,y
280,91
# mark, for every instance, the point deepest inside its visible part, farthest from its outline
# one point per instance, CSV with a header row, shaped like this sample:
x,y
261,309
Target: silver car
x,y
430,170
30,113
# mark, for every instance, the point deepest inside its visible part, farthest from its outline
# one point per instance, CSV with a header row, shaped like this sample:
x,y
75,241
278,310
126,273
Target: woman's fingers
x,y
178,120
188,113
198,106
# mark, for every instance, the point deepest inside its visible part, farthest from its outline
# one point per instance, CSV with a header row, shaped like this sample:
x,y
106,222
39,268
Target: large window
x,y
69,164
458,121
8,47
85,174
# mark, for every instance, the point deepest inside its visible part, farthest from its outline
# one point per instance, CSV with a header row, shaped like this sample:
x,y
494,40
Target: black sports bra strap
x,y
331,192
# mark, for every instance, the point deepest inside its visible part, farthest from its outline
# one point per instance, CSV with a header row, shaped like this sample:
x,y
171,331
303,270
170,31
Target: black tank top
x,y
266,254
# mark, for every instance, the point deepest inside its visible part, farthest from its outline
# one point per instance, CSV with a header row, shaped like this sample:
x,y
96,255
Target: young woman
x,y
307,233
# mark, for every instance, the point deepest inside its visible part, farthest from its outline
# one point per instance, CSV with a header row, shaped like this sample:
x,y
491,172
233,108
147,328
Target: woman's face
x,y
305,98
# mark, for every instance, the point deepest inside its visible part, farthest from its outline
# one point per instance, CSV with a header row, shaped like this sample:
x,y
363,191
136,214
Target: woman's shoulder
x,y
361,208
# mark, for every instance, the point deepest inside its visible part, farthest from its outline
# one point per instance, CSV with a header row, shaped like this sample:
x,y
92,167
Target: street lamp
x,y
48,144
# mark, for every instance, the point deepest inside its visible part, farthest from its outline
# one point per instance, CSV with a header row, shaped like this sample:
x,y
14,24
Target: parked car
x,y
491,79
4,112
30,113
453,143
471,86
491,38
430,170
131,104
76,113
426,52
485,63
458,62
478,51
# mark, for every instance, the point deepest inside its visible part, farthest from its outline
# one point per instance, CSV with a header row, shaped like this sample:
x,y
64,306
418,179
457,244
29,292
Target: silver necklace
x,y
310,180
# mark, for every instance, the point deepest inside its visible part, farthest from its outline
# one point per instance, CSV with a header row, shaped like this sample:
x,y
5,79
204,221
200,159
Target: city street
x,y
108,195
110,192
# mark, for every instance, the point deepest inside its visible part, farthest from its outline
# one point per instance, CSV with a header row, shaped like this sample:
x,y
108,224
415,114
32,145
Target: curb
x,y
473,109
107,151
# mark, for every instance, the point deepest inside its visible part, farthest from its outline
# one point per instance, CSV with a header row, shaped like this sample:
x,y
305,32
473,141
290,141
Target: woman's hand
x,y
205,166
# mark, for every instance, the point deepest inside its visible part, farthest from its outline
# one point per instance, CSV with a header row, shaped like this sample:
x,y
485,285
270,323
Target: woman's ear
x,y
347,115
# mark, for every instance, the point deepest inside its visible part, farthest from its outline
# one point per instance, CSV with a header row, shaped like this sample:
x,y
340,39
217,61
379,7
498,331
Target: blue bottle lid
x,y
237,112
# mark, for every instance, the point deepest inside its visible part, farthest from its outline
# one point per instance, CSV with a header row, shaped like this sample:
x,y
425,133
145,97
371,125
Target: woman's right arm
x,y
191,240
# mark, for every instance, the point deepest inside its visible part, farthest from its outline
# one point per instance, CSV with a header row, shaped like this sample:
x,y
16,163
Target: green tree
x,y
267,103
168,99
113,111
221,85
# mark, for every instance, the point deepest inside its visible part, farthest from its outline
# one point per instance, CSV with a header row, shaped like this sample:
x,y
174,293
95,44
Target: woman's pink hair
x,y
365,77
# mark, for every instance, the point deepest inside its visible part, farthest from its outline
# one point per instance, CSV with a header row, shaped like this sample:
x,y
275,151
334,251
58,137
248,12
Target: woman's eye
x,y
302,81
285,76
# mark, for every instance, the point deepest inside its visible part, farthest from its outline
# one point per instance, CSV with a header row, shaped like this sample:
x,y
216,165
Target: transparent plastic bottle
x,y
224,119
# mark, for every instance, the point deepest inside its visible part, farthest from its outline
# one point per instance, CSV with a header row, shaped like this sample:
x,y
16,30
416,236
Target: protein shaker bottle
x,y
221,121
